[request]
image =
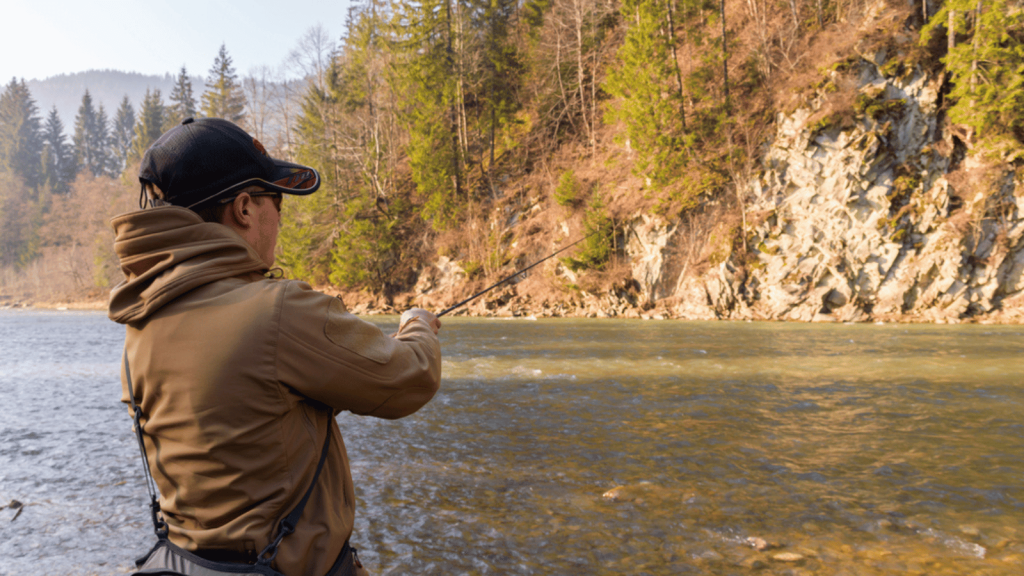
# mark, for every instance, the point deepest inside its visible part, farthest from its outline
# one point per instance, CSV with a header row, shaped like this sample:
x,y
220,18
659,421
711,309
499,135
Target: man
x,y
239,375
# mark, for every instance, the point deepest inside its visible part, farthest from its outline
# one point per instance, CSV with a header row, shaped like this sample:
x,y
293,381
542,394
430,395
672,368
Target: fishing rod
x,y
511,276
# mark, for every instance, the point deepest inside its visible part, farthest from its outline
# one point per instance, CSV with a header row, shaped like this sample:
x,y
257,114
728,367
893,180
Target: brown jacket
x,y
239,378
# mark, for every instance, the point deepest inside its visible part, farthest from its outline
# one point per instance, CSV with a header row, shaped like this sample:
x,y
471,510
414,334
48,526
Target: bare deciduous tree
x,y
258,88
312,55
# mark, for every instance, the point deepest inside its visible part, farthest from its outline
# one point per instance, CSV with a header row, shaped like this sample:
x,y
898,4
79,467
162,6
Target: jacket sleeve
x,y
333,357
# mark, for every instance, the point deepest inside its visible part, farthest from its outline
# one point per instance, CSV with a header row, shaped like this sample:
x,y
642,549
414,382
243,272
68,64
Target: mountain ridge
x,y
107,88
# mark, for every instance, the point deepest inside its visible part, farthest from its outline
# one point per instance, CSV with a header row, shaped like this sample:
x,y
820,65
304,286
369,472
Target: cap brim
x,y
289,178
294,179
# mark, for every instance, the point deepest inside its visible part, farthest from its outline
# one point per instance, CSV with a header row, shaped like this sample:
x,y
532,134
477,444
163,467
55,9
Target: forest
x,y
433,122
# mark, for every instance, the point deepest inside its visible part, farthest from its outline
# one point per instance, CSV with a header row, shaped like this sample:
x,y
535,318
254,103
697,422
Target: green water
x,y
855,449
858,450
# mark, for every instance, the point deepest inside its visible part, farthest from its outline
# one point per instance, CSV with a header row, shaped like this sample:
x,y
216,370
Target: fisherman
x,y
238,374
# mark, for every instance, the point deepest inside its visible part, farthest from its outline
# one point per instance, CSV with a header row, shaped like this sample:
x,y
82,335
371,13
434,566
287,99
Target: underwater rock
x,y
788,557
760,544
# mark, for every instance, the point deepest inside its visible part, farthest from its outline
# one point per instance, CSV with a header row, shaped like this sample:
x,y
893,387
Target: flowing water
x,y
590,447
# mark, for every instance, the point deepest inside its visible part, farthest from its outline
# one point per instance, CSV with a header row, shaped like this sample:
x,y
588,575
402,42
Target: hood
x,y
167,251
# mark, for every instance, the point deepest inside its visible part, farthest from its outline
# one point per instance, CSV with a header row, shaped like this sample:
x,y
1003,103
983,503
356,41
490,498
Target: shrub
x,y
878,107
596,250
568,189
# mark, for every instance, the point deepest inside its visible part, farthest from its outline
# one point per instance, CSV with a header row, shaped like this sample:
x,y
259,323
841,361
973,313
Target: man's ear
x,y
240,211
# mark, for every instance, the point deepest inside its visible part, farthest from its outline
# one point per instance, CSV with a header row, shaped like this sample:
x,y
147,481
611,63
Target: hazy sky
x,y
43,38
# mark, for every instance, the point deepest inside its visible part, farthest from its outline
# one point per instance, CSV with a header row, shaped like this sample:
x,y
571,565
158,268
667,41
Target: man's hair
x,y
215,212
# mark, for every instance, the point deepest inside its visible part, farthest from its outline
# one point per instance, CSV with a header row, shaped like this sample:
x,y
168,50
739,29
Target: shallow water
x,y
856,449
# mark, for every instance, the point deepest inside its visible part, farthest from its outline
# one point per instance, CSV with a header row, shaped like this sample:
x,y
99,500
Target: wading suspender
x,y
285,527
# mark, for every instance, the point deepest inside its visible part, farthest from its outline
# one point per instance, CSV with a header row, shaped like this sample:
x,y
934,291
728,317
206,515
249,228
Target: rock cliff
x,y
856,223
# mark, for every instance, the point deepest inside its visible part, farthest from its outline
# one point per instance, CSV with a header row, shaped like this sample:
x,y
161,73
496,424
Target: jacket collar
x,y
167,251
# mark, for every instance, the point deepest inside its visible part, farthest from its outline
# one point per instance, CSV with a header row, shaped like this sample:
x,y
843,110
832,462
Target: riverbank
x,y
84,302
506,303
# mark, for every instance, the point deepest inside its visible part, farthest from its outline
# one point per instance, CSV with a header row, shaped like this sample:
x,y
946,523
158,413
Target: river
x,y
589,447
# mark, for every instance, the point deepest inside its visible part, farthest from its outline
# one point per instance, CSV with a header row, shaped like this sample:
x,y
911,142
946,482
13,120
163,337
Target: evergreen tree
x,y
58,164
91,137
348,233
183,104
223,97
987,68
21,142
644,81
311,220
18,225
427,82
122,134
107,161
150,124
501,70
366,244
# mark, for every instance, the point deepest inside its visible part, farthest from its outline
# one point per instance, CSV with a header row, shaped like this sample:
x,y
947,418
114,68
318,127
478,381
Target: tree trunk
x,y
453,112
561,84
951,31
974,48
460,75
580,68
675,61
596,54
725,59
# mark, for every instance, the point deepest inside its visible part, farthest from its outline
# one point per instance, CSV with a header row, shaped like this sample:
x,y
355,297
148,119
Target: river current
x,y
588,447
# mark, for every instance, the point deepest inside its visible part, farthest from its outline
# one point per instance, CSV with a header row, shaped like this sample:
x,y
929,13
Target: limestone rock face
x,y
855,224
442,276
651,247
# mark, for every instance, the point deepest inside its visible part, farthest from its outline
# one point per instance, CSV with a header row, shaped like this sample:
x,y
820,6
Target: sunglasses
x,y
276,197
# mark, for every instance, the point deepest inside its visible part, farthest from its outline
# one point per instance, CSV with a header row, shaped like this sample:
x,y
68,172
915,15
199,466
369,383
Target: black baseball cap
x,y
204,161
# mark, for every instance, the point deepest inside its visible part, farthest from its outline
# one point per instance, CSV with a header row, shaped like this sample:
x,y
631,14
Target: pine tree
x,y
21,142
223,97
91,138
17,228
59,164
150,123
106,161
644,80
987,70
183,104
502,68
428,84
122,133
366,243
306,238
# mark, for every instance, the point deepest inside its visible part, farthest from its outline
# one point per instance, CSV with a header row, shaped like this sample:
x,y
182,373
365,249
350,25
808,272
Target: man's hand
x,y
419,313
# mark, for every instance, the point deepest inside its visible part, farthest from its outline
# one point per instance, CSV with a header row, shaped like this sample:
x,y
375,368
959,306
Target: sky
x,y
43,38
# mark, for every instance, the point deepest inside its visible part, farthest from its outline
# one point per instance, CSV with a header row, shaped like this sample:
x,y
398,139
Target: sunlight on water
x,y
591,447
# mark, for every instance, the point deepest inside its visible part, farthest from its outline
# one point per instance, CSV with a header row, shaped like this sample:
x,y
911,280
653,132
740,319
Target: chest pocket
x,y
357,336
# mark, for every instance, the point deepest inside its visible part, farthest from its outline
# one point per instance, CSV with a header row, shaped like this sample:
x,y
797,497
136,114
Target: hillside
x,y
855,198
822,161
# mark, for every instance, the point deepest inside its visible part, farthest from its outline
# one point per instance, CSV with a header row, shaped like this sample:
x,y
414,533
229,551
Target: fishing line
x,y
513,275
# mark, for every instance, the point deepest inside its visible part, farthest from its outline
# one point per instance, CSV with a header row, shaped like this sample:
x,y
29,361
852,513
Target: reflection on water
x,y
597,447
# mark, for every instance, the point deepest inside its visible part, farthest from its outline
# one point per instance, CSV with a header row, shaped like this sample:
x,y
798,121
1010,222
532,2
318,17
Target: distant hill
x,y
107,87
